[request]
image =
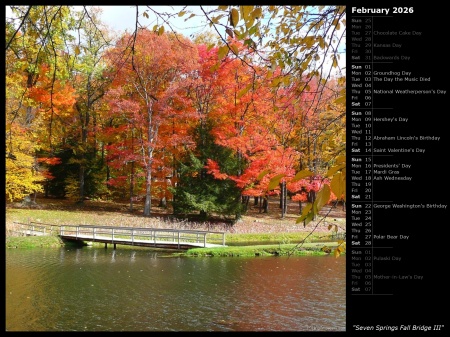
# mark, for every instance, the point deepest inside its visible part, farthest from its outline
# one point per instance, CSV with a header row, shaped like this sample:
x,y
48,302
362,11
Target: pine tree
x,y
197,190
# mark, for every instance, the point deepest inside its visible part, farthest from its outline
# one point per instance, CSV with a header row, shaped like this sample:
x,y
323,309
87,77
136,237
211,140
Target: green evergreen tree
x,y
198,191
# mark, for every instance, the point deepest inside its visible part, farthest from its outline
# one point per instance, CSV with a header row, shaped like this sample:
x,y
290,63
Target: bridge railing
x,y
36,228
143,234
114,233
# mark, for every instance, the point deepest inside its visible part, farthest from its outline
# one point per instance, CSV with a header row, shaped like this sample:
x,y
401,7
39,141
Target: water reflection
x,y
96,289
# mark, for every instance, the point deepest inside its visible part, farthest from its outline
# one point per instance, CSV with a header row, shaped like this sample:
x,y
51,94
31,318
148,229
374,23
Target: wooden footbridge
x,y
135,236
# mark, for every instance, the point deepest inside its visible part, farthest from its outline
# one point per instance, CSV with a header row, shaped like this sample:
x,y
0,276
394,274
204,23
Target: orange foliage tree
x,y
156,75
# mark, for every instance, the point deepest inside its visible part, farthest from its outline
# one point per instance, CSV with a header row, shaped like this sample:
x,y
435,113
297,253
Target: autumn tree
x,y
89,75
37,91
155,63
299,40
197,190
120,135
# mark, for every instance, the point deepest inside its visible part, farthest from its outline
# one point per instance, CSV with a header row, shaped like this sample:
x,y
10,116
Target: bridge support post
x,y
114,246
106,245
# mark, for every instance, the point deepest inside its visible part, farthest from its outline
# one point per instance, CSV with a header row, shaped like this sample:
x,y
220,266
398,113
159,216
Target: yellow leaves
x,y
305,213
302,174
335,61
309,41
215,19
238,33
341,81
276,81
262,174
21,179
332,170
321,41
77,50
215,67
340,100
158,29
337,252
287,81
338,182
249,14
145,14
253,30
222,52
245,90
341,9
257,13
341,159
337,24
338,185
340,249
284,28
245,11
190,16
275,181
284,80
223,8
234,17
336,228
234,48
181,13
322,198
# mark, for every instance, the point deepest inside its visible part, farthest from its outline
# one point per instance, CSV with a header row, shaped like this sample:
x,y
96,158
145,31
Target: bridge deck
x,y
144,243
142,236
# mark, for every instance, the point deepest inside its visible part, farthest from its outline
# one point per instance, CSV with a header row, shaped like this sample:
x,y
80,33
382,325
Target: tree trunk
x,y
131,186
266,204
283,199
148,191
81,178
312,198
151,132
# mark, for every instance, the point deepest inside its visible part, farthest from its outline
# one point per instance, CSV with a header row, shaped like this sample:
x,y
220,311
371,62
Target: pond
x,y
139,289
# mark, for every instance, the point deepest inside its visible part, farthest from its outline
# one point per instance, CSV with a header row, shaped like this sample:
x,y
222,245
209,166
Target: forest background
x,y
198,125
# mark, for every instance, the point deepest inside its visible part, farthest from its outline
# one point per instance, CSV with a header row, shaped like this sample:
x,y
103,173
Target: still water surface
x,y
97,289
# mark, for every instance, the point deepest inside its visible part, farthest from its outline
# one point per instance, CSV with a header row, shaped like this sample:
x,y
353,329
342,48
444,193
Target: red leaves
x,y
299,197
213,168
49,160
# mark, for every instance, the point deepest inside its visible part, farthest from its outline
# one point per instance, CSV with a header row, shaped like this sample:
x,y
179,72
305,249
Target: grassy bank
x,y
26,242
256,234
266,250
33,242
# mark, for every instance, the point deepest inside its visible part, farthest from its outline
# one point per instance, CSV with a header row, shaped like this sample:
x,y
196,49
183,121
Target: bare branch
x,y
18,28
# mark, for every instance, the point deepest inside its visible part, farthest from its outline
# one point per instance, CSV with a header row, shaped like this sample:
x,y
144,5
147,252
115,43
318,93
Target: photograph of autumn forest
x,y
227,123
